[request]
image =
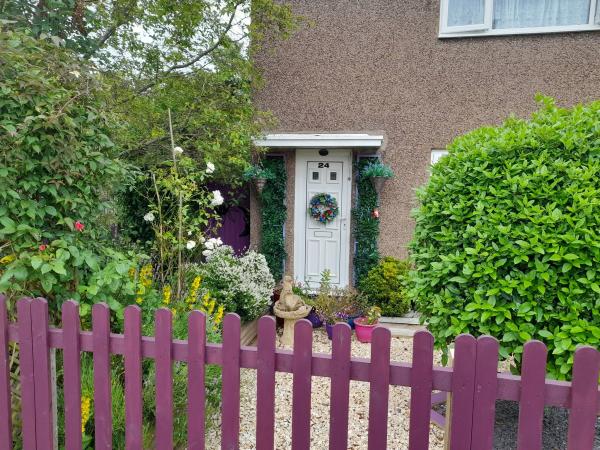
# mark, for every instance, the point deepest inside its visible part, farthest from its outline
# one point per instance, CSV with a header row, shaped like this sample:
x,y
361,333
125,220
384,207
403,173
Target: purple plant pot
x,y
329,329
314,318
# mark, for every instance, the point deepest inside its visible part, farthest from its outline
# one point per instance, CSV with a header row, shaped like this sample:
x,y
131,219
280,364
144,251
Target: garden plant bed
x,y
401,350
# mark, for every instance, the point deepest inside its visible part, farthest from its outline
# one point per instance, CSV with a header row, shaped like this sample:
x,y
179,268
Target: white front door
x,y
319,247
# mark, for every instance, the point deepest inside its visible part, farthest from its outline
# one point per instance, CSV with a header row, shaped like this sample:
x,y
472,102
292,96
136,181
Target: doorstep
x,y
411,318
402,330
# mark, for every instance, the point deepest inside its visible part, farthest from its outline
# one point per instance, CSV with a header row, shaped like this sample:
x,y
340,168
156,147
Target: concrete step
x,y
402,330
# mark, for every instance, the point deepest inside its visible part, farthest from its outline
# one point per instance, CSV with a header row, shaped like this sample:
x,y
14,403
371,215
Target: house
x,y
399,79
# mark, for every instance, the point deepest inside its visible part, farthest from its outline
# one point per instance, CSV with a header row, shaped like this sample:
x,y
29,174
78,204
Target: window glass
x,y
315,176
465,12
597,21
436,155
540,13
333,176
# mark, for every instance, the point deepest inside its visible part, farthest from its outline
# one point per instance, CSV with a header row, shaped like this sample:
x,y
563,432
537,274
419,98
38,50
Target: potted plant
x,y
364,326
329,307
379,173
352,304
259,175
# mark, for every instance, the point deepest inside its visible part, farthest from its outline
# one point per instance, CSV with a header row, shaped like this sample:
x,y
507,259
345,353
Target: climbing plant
x,y
365,223
274,213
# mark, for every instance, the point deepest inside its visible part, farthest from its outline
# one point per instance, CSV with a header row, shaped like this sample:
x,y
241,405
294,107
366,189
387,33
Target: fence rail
x,y
473,381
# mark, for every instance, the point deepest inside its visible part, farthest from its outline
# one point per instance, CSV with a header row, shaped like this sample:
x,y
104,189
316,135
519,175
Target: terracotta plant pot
x,y
363,330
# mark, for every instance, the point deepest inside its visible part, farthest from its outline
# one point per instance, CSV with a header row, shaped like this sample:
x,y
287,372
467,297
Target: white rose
x,y
207,252
217,198
149,217
178,150
210,167
218,241
190,245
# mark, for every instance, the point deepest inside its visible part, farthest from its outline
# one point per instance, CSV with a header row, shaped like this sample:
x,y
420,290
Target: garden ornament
x,y
290,308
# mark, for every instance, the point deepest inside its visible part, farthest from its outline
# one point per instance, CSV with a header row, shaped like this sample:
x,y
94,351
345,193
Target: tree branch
x,y
198,57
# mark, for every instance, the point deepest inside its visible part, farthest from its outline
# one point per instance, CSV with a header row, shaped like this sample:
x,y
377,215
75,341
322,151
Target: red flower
x,y
375,213
79,226
43,247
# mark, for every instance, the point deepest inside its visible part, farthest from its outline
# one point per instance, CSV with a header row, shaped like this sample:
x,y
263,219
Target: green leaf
x,y
36,262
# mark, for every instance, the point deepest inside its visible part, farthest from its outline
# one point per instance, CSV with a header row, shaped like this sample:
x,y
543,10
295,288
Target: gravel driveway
x,y
359,404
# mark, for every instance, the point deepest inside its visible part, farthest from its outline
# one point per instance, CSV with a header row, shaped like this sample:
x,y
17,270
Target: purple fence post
x,y
421,384
265,384
102,377
5,400
340,387
196,379
584,399
133,378
463,385
26,371
379,375
72,374
41,369
484,401
302,381
164,379
230,410
531,401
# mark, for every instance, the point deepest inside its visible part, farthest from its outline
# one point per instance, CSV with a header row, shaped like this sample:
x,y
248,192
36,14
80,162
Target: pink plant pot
x,y
363,331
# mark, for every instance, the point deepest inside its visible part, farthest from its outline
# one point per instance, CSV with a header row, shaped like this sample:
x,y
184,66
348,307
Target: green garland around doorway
x,y
274,213
366,224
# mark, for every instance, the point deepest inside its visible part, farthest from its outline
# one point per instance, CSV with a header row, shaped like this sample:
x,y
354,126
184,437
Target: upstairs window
x,y
460,18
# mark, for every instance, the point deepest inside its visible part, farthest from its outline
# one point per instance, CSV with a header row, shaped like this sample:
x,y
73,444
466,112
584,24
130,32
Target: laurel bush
x,y
507,238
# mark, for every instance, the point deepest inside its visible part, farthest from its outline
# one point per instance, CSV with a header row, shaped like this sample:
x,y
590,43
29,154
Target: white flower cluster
x,y
244,282
210,168
211,245
217,199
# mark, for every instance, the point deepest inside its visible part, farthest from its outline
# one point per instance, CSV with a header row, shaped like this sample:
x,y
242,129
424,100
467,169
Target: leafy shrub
x,y
59,168
385,286
507,235
242,284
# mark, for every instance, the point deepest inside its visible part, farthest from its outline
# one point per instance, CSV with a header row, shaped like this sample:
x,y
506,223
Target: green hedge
x,y
507,238
366,227
274,214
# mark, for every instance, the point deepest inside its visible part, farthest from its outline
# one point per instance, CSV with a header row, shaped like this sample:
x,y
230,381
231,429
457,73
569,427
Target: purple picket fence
x,y
473,381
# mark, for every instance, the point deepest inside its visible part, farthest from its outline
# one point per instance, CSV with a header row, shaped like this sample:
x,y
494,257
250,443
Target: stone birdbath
x,y
290,308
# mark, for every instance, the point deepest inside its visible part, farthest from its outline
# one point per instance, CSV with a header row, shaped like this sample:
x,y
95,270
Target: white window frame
x,y
437,154
486,29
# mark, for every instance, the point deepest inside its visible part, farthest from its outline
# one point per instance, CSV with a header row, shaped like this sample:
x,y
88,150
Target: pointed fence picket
x,y
473,381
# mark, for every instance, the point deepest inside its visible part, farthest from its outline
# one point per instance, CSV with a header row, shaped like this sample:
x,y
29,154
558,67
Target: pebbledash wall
x,y
378,66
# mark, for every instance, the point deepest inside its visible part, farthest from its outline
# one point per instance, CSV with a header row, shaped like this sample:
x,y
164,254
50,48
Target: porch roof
x,y
323,140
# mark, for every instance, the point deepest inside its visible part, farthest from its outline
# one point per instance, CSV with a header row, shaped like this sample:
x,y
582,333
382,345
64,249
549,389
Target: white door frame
x,y
303,156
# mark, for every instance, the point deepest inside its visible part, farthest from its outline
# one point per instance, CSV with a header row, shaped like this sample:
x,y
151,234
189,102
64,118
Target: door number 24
x,y
321,165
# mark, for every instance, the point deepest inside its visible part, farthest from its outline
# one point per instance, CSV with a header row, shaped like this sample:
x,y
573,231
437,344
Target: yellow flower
x,y
211,307
86,403
167,295
219,315
191,298
174,311
8,259
205,299
146,276
139,300
131,273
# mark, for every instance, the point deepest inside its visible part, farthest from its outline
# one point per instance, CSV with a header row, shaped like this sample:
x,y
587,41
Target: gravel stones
x,y
398,421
